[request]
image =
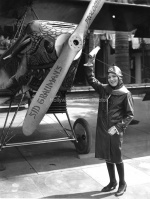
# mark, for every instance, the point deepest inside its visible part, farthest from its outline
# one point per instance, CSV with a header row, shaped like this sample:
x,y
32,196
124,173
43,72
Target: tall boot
x,y
122,183
113,183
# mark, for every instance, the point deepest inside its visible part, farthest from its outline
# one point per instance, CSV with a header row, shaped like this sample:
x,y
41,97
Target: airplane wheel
x,y
84,137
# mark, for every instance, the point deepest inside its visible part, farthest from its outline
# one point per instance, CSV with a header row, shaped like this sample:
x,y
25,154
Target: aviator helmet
x,y
116,70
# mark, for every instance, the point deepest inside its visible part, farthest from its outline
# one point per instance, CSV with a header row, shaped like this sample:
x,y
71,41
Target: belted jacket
x,y
115,109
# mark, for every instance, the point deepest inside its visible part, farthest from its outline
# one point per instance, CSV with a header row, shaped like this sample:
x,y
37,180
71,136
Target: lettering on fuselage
x,y
46,90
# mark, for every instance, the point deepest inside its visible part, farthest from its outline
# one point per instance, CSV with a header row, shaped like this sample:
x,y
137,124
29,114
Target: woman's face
x,y
112,79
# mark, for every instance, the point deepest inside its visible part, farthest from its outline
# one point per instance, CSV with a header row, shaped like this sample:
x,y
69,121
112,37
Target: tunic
x,y
115,109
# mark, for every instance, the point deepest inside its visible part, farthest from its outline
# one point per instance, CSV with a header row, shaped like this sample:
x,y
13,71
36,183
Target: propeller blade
x,y
50,86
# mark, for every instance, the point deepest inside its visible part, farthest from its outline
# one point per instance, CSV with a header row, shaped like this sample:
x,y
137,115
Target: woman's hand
x,y
92,56
94,52
113,130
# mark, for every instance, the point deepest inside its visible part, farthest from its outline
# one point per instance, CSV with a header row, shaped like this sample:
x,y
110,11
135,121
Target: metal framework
x,y
58,106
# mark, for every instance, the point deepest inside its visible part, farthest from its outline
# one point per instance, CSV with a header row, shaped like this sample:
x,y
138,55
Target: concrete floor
x,y
56,170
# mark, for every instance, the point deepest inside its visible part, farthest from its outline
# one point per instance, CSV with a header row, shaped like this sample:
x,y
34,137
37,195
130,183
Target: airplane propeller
x,y
50,86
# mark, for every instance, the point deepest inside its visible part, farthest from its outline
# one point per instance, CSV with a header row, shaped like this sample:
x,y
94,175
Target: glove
x,y
94,52
113,130
91,56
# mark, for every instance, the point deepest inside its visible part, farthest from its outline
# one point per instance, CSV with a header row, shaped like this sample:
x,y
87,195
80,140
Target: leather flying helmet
x,y
116,70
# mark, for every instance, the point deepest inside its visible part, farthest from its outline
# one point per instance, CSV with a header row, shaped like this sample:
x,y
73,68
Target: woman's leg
x,y
122,183
113,183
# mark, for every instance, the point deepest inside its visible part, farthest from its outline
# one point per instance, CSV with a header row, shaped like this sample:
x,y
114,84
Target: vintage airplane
x,y
45,59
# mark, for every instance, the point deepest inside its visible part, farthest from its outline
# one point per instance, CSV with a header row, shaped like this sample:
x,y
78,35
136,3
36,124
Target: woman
x,y
115,112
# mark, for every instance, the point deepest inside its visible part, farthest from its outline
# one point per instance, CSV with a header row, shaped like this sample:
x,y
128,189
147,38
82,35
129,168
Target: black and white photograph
x,y
75,99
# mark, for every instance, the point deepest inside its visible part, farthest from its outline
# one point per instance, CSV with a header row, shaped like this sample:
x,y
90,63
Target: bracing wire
x,y
108,65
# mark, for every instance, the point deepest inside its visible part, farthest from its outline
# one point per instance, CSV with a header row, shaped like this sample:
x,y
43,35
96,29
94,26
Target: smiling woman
x,y
115,77
112,79
115,112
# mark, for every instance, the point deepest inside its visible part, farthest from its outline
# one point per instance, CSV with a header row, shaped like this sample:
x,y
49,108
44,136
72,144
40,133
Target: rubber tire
x,y
84,137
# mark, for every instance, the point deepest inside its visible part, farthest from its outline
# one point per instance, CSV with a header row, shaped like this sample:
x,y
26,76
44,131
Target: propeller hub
x,y
75,42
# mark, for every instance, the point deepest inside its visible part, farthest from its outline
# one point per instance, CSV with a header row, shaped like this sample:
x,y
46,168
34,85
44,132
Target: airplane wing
x,y
115,15
50,86
123,17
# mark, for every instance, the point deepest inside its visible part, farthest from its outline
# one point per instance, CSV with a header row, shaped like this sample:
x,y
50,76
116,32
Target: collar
x,y
120,91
